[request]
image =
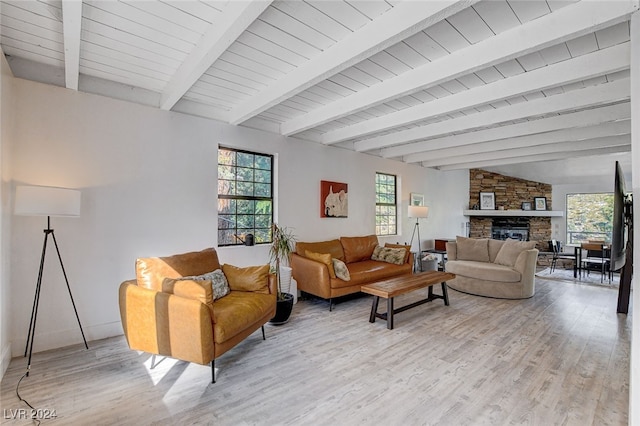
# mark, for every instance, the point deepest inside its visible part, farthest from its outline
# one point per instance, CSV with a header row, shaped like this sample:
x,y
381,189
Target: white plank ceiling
x,y
504,85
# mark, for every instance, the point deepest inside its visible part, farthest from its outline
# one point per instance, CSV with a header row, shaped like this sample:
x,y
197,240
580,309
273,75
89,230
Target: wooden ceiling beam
x,y
404,20
589,117
235,19
564,24
509,151
598,63
571,134
577,99
71,29
537,158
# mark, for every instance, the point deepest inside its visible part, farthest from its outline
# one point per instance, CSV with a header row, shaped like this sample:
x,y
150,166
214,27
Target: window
x,y
245,196
386,217
589,217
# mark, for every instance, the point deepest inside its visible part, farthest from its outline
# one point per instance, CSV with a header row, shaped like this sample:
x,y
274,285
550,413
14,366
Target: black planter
x,y
283,310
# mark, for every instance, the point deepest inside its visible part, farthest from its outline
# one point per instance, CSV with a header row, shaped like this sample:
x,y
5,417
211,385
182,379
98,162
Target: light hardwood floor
x,y
561,357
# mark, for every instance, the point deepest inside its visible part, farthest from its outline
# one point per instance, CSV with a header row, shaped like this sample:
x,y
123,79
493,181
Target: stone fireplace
x,y
510,193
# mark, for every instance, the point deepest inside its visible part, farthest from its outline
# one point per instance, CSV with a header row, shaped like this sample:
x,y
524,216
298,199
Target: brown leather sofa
x,y
184,321
314,277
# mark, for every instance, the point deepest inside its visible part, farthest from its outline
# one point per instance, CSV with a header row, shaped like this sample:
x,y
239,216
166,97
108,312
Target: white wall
x,y
148,182
634,390
6,79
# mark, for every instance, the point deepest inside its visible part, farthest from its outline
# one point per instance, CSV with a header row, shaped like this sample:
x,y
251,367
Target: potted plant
x,y
282,244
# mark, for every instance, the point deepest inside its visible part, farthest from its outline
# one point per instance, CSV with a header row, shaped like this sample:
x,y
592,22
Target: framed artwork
x,y
526,205
540,203
487,201
417,199
333,199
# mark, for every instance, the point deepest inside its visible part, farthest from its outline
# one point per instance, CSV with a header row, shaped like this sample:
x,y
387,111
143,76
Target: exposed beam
x,y
235,19
71,28
536,142
540,157
583,67
558,147
576,99
567,23
584,118
404,20
621,127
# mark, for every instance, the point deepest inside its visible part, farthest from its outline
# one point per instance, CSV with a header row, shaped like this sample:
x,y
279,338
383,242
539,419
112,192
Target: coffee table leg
x,y
445,293
374,309
390,313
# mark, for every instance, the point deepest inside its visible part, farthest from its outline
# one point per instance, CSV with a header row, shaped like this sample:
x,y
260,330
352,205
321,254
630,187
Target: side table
x,y
441,253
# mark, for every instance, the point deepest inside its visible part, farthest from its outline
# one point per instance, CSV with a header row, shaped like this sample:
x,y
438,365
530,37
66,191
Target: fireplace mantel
x,y
514,213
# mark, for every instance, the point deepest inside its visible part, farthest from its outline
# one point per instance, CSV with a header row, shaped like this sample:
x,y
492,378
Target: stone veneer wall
x,y
510,193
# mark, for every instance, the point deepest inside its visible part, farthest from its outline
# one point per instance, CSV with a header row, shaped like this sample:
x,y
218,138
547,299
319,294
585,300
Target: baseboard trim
x,y
5,359
68,337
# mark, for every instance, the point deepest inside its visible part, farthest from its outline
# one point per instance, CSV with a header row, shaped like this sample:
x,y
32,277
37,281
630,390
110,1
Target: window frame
x,y
266,231
382,204
599,235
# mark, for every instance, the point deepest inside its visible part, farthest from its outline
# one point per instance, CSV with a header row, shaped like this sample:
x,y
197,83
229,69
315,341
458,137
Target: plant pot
x,y
285,279
283,310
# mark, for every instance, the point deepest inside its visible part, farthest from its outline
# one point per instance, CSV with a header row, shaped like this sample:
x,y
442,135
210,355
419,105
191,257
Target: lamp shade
x,y
46,201
418,211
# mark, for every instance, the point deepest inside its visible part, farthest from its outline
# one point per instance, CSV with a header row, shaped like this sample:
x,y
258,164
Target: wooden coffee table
x,y
405,284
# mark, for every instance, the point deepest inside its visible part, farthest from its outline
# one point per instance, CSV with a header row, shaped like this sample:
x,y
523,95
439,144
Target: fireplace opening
x,y
516,228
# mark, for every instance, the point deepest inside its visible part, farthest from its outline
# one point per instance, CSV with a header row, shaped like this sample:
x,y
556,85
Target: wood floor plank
x,y
560,357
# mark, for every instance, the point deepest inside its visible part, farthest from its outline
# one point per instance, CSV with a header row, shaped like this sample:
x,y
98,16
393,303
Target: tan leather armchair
x,y
183,321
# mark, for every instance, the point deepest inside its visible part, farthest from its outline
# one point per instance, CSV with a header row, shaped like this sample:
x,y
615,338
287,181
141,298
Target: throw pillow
x,y
218,282
191,289
322,258
406,247
389,255
473,249
510,251
341,270
251,278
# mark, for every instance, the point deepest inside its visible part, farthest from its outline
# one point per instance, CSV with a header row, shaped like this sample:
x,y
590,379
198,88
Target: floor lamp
x,y
418,212
46,201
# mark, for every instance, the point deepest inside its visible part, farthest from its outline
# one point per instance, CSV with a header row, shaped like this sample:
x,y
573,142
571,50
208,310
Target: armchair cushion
x,y
251,278
151,271
218,281
201,290
237,311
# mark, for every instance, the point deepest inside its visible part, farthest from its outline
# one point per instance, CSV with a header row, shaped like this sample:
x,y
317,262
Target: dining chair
x,y
556,248
597,258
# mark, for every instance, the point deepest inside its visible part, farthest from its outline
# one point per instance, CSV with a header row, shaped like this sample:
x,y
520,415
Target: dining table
x,y
577,256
